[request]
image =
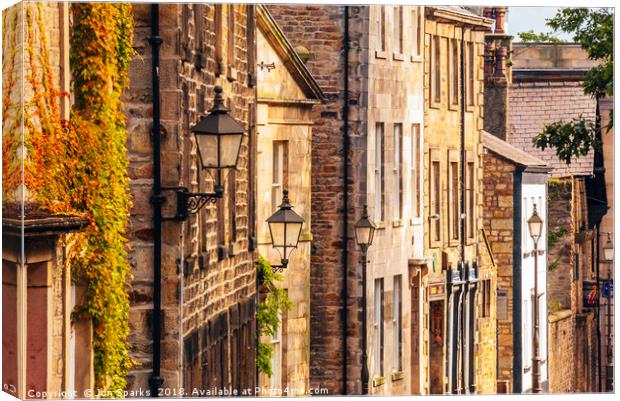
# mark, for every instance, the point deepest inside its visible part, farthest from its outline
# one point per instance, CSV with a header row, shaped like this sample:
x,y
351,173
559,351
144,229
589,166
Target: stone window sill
x,y
231,74
397,223
396,376
416,58
380,225
382,54
435,104
398,56
378,381
234,248
415,221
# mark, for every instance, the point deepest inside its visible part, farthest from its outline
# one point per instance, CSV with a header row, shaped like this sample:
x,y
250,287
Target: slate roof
x,y
510,152
532,105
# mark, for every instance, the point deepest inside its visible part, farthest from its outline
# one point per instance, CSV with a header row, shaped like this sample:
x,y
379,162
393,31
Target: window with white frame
x,y
398,171
453,196
435,75
378,329
397,324
398,29
416,30
279,172
379,170
435,195
454,72
381,30
275,381
470,200
471,70
416,157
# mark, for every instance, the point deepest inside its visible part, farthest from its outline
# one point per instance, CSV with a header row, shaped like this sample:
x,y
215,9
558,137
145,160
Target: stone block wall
x,y
498,215
320,30
207,268
442,137
561,337
560,269
549,55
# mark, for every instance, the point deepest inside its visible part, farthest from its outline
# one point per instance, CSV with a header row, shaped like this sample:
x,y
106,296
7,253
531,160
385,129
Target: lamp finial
x,y
218,100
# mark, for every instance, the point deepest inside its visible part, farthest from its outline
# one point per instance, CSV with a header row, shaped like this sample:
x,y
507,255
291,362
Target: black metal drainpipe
x,y
464,266
517,363
598,277
598,306
155,381
345,202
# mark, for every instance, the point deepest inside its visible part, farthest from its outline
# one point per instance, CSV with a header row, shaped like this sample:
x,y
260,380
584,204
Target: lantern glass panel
x,y
535,226
229,148
207,149
608,251
292,234
363,235
277,231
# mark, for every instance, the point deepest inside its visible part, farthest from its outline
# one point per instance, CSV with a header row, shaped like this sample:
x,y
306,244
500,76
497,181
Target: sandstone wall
x,y
561,352
320,30
208,272
498,214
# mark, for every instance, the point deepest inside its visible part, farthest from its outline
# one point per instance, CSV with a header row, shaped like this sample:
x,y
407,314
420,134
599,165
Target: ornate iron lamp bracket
x,y
191,202
280,268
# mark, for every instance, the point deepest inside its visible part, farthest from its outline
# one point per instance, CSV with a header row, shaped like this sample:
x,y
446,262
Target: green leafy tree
x,y
594,30
531,37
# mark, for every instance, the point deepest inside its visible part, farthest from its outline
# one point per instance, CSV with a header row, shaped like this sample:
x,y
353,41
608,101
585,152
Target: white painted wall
x,y
533,194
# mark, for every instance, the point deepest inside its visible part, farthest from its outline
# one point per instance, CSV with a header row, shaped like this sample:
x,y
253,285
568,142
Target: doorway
x,y
436,346
416,336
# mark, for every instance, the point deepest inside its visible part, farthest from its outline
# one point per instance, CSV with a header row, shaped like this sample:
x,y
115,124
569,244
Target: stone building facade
x,y
607,226
513,182
457,286
571,275
286,93
208,273
368,62
547,87
320,30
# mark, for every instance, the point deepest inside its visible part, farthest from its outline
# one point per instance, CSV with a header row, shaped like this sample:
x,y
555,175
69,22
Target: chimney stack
x,y
497,74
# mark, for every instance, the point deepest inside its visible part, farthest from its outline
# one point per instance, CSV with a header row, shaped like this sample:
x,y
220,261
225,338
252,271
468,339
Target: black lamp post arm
x,y
280,268
191,202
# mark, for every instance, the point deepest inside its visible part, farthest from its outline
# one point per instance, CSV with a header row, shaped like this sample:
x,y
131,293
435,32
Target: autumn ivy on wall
x,y
268,319
11,104
101,49
79,166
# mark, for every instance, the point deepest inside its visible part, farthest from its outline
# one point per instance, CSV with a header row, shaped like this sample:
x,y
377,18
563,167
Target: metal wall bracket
x,y
191,202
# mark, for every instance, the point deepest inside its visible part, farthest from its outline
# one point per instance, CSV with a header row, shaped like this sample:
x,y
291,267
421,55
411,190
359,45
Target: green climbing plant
x,y
270,309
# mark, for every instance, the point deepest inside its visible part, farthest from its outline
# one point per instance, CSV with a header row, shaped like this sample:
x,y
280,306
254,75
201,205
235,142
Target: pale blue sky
x,y
522,19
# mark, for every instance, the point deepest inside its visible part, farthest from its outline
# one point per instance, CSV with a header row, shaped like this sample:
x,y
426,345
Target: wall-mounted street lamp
x,y
284,229
608,249
364,234
218,138
535,225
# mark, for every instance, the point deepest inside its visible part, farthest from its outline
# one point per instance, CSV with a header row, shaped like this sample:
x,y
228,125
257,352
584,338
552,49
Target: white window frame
x,y
379,195
398,172
397,324
378,328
